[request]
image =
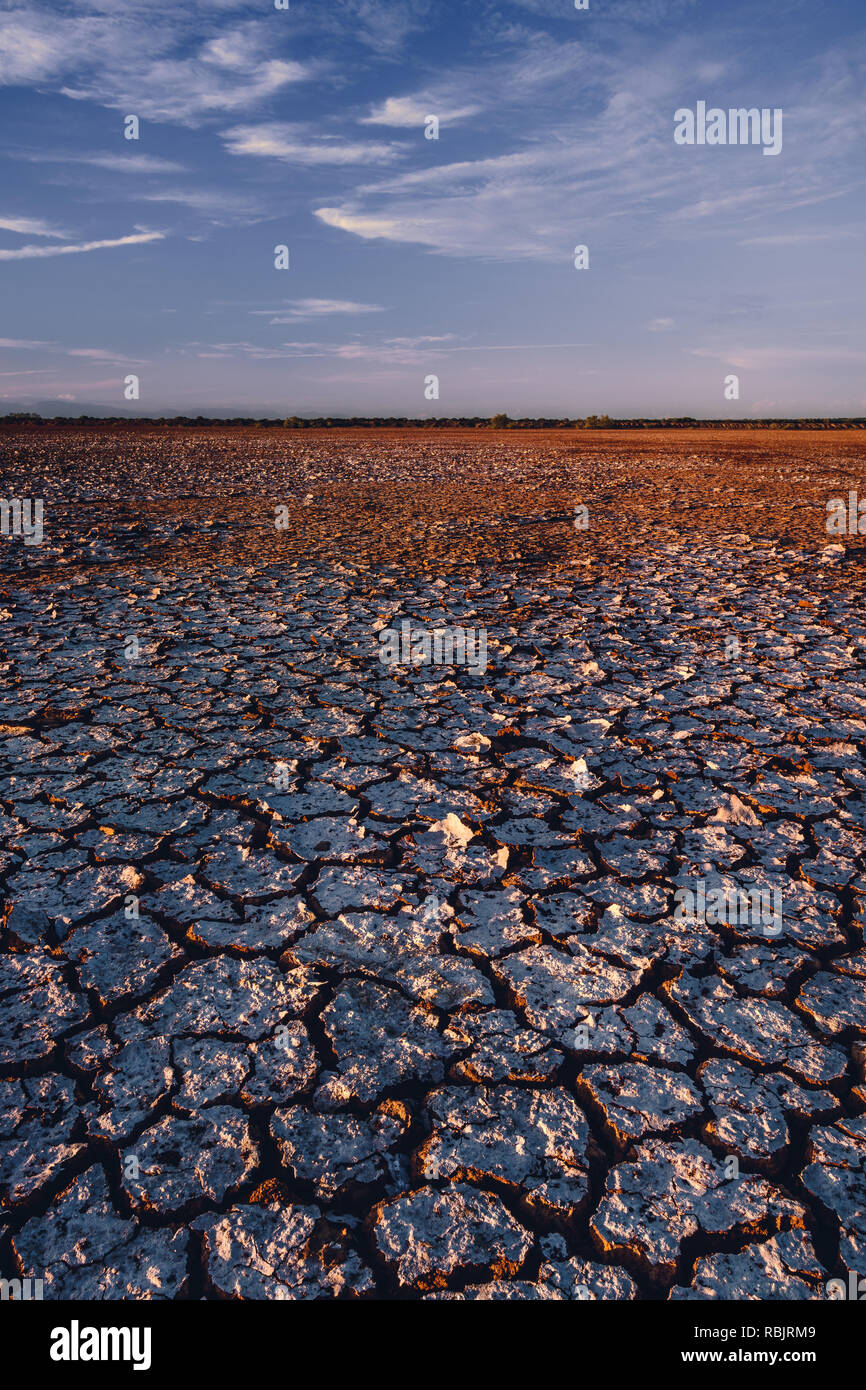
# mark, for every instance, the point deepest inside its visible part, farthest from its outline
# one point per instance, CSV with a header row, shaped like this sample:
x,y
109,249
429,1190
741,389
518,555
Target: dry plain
x,y
321,977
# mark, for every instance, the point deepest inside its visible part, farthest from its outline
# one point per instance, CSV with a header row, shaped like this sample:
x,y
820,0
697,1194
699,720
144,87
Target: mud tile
x,y
381,1041
36,1007
222,995
766,969
764,1031
120,957
210,1070
270,1252
340,890
669,1192
181,1162
39,1116
341,1154
402,950
532,1142
584,1280
497,1048
429,1236
489,923
835,1001
557,990
244,874
330,838
82,1249
751,1111
445,852
282,1066
636,1100
836,1176
785,1267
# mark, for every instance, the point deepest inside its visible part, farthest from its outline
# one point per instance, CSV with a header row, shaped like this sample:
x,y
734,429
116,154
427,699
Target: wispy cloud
x,y
802,238
392,228
26,343
763,358
413,111
279,140
127,163
390,351
381,25
138,59
102,355
216,206
296,310
32,253
607,161
30,226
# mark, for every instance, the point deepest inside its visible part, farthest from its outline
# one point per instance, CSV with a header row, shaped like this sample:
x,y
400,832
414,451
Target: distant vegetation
x,y
496,422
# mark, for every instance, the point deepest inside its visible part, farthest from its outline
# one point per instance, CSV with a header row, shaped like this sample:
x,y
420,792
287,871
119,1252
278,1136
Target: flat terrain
x,y
326,978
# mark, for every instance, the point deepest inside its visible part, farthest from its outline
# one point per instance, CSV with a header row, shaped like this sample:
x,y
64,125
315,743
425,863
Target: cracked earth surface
x,y
323,979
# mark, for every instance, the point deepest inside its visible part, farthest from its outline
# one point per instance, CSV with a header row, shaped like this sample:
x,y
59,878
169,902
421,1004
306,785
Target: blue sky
x,y
412,257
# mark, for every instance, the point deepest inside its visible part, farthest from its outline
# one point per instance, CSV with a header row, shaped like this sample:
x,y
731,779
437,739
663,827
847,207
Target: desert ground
x,y
322,977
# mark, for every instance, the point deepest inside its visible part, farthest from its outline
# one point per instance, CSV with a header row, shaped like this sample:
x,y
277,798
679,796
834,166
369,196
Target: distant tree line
x,y
496,422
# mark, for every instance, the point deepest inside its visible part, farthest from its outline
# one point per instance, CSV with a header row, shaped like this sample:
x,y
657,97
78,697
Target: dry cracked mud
x,y
322,978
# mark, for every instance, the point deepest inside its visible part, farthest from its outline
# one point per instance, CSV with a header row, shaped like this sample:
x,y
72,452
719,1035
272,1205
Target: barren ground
x,y
322,978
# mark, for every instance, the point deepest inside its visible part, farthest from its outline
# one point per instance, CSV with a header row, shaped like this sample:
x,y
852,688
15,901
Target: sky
x,y
410,257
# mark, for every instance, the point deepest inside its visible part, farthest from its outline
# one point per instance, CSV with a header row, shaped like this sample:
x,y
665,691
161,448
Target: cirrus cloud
x,y
413,111
32,253
281,140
